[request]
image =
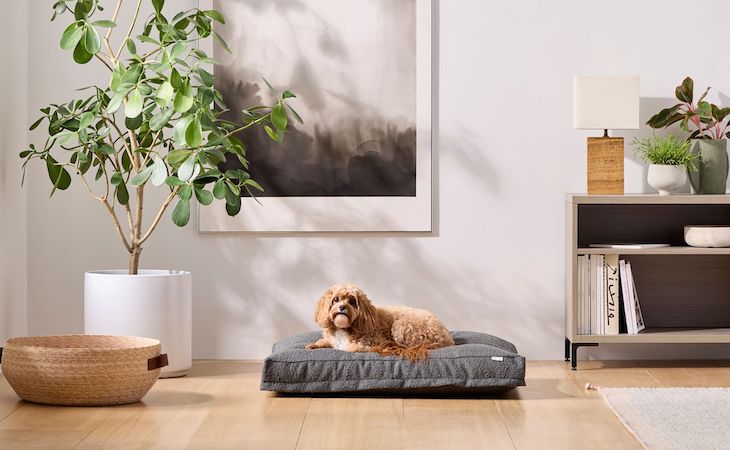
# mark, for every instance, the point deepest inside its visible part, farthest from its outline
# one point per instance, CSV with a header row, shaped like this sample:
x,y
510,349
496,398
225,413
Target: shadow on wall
x,y
265,288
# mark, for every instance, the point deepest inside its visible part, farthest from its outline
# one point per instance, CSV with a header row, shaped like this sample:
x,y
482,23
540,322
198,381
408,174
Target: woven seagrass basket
x,y
82,370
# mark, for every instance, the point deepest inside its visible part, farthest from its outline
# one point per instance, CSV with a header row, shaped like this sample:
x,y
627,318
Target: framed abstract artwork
x,y
362,74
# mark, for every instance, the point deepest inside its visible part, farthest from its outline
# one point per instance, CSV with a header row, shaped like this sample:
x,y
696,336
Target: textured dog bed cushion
x,y
477,363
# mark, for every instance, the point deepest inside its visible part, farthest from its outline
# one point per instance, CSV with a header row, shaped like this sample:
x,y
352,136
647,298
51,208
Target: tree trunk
x,y
134,260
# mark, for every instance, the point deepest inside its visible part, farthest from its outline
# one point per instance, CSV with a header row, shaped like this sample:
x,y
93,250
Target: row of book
x,y
607,297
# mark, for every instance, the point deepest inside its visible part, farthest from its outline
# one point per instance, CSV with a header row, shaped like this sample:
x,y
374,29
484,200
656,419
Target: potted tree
x,y
156,124
669,161
707,124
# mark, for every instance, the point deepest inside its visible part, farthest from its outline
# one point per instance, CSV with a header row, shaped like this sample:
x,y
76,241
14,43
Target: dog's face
x,y
344,306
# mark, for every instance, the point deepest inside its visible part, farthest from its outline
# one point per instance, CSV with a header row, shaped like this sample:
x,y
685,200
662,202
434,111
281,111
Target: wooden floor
x,y
219,405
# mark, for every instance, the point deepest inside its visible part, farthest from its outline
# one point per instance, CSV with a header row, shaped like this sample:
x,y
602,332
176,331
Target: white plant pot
x,y
667,179
155,304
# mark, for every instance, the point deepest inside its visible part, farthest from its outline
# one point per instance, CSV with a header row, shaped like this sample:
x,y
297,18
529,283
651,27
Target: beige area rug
x,y
674,418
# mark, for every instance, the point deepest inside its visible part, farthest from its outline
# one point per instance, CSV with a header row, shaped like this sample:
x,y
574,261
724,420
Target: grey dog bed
x,y
478,363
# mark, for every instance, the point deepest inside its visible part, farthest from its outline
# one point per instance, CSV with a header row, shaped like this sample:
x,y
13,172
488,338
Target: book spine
x,y
592,292
638,318
624,279
611,294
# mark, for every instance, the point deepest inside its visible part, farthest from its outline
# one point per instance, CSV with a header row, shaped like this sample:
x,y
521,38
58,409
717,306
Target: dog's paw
x,y
311,346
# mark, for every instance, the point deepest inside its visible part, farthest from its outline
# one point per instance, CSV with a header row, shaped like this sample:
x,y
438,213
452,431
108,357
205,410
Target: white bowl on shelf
x,y
707,236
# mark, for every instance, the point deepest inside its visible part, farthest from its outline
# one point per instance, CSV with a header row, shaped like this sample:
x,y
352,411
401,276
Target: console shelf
x,y
684,291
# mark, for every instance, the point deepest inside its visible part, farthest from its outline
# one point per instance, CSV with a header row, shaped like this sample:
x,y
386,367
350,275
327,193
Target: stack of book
x,y
607,296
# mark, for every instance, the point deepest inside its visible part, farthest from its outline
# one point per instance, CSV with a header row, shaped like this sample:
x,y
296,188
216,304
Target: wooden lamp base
x,y
605,165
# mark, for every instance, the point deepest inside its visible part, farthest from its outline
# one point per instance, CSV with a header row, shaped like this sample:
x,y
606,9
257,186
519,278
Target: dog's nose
x,y
342,307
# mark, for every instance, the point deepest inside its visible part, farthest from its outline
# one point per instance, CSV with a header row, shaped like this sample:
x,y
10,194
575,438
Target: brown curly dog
x,y
351,323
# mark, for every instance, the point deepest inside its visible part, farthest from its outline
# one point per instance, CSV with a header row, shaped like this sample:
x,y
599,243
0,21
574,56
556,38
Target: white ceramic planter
x,y
667,179
155,304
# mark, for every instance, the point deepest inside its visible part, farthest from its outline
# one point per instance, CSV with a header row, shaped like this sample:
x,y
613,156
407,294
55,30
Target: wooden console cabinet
x,y
684,291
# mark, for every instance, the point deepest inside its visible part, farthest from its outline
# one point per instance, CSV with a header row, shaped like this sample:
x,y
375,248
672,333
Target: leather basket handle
x,y
157,362
1,354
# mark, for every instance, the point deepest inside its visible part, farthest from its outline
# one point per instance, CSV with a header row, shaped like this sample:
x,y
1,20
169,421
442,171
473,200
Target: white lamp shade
x,y
606,102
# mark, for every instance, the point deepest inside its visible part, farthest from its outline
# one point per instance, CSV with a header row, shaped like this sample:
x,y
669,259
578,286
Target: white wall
x,y
13,139
507,155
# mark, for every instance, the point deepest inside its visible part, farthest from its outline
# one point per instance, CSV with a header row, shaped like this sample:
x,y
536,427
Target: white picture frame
x,y
348,214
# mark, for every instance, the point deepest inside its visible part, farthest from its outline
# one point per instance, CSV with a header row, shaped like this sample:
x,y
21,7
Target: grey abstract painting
x,y
353,66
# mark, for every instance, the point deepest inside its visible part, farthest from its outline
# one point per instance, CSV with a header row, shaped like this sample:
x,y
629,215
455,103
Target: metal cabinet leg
x,y
574,353
567,349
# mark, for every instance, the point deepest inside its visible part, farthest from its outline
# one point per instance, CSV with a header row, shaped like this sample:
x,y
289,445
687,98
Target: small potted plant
x,y
669,161
707,124
156,124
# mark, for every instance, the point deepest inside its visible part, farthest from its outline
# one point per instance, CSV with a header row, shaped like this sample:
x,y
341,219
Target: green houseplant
x,y
707,125
669,161
155,123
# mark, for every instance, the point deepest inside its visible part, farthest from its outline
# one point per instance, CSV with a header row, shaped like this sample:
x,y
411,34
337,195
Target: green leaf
x,y
273,134
278,117
36,123
131,47
133,123
186,192
159,171
85,120
665,117
204,197
58,174
104,23
174,181
215,15
176,79
122,194
253,184
164,93
178,131
287,94
217,37
219,189
177,157
184,99
177,49
132,75
233,209
194,133
157,4
232,191
106,149
161,119
71,36
685,91
185,172
704,110
142,177
206,77
116,178
82,56
92,41
134,103
181,213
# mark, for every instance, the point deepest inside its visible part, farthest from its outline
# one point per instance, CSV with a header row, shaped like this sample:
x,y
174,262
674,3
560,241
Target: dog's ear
x,y
322,312
366,319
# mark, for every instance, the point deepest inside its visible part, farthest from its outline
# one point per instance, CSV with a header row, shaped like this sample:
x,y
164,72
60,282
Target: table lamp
x,y
606,103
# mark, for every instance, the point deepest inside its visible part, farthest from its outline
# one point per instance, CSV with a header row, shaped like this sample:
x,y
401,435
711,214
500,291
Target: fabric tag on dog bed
x,y
478,362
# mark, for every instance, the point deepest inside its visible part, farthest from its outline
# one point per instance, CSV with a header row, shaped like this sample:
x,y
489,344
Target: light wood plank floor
x,y
219,405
